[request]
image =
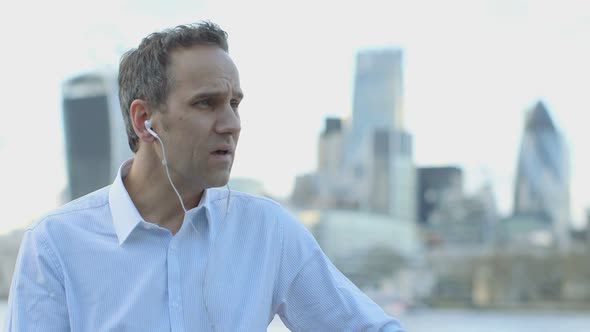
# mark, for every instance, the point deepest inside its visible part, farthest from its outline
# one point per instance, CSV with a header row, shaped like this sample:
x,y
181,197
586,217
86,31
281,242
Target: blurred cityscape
x,y
409,235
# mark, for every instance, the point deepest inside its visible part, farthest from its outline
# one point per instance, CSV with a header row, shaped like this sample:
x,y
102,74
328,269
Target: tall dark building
x,y
333,125
95,138
542,186
436,184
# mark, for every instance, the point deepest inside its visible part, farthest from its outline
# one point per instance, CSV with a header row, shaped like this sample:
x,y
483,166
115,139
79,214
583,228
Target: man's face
x,y
201,124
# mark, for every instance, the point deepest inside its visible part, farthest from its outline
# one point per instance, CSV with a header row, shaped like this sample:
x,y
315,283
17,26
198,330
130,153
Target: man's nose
x,y
228,121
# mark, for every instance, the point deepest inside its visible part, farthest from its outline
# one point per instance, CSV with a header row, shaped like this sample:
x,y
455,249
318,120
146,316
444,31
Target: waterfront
x,y
462,320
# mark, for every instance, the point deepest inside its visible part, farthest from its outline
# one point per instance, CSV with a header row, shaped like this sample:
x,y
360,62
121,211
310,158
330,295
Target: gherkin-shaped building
x,y
542,188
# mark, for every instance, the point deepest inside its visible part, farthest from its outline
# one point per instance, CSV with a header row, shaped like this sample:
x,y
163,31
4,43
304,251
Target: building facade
x,y
435,185
95,137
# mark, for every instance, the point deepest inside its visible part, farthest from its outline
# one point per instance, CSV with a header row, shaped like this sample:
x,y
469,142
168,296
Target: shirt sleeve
x,y
37,297
313,295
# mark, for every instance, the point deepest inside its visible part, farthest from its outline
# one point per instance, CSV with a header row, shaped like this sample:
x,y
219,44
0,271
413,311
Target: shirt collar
x,y
126,216
204,205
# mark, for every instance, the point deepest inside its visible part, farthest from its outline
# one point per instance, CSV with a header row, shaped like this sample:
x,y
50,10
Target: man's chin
x,y
219,180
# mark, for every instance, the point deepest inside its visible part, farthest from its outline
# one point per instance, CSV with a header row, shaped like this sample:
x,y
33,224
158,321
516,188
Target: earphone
x,y
148,127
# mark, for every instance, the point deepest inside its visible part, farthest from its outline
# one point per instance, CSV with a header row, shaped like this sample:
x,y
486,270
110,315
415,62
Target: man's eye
x,y
202,103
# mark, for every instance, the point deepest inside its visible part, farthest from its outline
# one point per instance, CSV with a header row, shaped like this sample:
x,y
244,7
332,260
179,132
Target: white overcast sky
x,y
471,70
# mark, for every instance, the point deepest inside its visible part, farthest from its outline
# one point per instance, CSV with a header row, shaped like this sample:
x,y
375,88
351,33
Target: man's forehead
x,y
201,58
205,68
220,87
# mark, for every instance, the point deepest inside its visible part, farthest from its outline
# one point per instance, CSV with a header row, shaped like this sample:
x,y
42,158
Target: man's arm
x,y
37,297
312,295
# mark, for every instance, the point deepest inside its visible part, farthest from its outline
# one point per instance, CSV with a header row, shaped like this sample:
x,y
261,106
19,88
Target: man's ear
x,y
138,113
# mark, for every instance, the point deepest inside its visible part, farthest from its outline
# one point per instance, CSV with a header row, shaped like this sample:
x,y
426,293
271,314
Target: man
x,y
163,249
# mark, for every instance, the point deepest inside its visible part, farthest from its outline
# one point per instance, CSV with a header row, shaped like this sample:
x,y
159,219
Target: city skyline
x,y
470,67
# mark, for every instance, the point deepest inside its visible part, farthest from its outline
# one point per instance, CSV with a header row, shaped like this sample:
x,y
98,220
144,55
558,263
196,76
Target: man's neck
x,y
153,196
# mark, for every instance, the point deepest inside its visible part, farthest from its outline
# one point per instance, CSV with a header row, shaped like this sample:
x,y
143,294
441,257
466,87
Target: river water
x,y
485,321
469,321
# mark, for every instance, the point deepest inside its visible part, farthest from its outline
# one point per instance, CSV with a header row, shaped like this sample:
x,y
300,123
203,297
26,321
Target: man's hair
x,y
143,71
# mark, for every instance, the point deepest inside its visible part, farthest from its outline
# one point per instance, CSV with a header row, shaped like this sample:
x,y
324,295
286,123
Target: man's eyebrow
x,y
214,94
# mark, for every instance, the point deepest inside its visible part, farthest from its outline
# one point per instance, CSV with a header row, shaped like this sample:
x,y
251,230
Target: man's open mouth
x,y
221,152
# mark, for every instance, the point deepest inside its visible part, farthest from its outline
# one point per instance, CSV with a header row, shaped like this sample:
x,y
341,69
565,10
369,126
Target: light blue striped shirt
x,y
96,265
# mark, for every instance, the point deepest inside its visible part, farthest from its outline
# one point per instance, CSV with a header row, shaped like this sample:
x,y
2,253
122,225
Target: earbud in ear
x,y
148,127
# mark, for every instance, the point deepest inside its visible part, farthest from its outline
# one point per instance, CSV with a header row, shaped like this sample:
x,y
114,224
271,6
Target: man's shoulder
x,y
256,208
218,194
249,206
74,211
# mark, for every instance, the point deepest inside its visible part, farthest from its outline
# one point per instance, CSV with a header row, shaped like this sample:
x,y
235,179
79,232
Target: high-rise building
x,y
436,185
393,179
378,152
378,97
464,221
543,181
451,217
334,187
95,137
331,147
367,164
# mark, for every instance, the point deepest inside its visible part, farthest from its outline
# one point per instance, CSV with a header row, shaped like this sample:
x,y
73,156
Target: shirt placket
x,y
174,288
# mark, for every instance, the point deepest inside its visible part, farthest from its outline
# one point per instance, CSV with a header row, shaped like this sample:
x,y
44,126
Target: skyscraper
x,y
393,179
378,97
332,184
95,138
366,163
436,184
543,181
378,152
330,147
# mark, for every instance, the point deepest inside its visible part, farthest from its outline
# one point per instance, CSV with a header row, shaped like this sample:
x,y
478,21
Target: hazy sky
x,y
471,70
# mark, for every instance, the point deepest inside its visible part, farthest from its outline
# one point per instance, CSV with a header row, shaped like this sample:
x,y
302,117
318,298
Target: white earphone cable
x,y
165,163
204,283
